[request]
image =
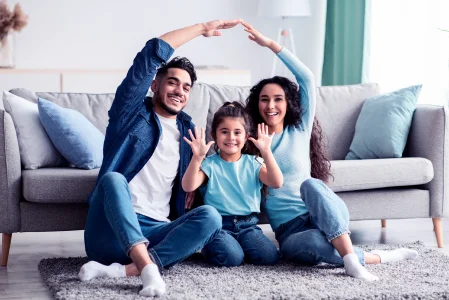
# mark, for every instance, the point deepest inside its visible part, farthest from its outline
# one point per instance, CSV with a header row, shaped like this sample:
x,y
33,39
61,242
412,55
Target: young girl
x,y
310,221
233,186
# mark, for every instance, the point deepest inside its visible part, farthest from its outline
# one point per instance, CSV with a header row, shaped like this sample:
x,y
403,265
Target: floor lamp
x,y
283,9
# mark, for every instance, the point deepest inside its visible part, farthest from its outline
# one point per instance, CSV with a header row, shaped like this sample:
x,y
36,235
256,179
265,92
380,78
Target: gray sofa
x,y
54,199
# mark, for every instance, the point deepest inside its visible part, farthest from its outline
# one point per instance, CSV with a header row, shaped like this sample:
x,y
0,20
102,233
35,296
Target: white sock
x,y
94,269
153,284
395,255
355,269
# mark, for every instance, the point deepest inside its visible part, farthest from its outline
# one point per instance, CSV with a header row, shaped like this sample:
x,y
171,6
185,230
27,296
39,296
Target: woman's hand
x,y
260,39
263,142
198,143
212,28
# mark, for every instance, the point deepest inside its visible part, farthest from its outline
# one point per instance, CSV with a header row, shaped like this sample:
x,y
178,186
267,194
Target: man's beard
x,y
158,100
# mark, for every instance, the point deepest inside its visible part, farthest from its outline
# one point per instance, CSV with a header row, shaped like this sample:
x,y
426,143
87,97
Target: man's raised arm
x,y
178,37
134,87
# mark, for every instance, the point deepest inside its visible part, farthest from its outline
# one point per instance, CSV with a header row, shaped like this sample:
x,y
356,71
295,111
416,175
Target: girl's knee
x,y
267,259
230,257
233,260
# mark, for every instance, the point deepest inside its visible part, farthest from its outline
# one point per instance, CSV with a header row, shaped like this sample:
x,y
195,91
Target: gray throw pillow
x,y
36,148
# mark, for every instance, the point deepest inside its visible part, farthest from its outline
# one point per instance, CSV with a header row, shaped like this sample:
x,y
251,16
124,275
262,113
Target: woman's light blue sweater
x,y
291,149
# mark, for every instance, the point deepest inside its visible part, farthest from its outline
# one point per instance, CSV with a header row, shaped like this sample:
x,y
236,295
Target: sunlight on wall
x,y
405,47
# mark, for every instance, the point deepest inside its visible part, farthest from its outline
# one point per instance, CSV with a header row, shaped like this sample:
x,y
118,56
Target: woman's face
x,y
273,106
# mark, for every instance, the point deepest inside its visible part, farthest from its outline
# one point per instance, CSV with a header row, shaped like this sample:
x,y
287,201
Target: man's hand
x,y
212,28
179,37
190,197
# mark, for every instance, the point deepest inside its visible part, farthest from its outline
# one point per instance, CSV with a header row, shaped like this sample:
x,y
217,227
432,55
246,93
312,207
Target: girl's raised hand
x,y
198,142
263,142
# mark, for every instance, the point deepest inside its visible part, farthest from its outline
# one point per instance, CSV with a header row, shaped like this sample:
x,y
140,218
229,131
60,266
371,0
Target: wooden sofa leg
x,y
384,223
438,228
6,244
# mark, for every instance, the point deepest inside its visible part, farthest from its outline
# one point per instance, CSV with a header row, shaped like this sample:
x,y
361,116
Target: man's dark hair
x,y
179,63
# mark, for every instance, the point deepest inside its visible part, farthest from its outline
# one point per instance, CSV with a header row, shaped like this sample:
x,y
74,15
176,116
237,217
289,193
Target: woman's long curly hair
x,y
320,164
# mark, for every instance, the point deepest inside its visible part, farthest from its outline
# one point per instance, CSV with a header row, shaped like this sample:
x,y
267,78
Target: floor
x,y
21,279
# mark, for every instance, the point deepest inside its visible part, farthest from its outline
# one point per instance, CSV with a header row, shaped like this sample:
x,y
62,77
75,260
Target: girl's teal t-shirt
x,y
233,187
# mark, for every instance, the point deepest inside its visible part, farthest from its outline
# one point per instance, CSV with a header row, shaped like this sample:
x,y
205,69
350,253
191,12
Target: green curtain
x,y
343,49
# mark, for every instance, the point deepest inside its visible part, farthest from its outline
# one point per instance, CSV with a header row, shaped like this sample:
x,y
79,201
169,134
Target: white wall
x,y
102,34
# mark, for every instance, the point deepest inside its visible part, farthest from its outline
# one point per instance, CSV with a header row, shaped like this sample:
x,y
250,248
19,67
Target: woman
x,y
309,220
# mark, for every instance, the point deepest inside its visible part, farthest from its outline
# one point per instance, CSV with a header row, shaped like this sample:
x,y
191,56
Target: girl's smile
x,y
231,137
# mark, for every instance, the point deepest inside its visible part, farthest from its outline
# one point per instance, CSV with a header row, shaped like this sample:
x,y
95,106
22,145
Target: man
x,y
138,189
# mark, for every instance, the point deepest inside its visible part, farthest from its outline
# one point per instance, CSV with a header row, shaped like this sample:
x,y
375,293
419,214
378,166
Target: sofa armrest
x,y
428,138
10,175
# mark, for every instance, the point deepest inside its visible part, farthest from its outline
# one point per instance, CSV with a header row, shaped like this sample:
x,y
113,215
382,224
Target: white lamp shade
x,y
283,8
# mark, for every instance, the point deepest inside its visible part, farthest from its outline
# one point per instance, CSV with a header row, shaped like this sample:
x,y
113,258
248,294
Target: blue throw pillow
x,y
383,125
80,142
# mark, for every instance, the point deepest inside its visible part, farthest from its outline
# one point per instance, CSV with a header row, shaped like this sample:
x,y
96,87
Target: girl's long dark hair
x,y
320,164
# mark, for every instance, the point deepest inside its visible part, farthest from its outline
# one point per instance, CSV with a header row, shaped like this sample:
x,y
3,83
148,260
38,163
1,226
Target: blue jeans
x,y
239,239
113,227
306,238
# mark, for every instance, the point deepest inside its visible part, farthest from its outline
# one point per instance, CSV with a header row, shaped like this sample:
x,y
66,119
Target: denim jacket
x,y
133,131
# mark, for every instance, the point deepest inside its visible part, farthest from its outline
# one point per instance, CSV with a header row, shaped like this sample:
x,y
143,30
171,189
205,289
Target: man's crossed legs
x,y
113,230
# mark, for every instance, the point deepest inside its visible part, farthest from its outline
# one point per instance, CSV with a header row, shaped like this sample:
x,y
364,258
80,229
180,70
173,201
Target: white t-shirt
x,y
151,188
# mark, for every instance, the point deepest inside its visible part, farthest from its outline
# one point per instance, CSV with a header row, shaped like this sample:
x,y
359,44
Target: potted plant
x,y
10,21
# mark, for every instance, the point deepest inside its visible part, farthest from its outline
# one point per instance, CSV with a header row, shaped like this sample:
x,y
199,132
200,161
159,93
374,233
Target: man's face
x,y
171,92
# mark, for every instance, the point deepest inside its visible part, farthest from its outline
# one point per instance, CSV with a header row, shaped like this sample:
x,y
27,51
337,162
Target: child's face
x,y
231,136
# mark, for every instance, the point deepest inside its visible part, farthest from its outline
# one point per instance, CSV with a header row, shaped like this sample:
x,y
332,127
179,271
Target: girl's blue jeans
x,y
306,238
113,228
239,240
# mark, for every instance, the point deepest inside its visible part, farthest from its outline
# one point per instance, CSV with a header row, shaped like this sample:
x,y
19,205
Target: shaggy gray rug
x,y
424,278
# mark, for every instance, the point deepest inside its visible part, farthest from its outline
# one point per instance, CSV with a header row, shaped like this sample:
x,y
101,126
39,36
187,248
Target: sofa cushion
x,y
80,142
75,185
338,108
36,148
94,107
68,185
352,175
383,125
198,104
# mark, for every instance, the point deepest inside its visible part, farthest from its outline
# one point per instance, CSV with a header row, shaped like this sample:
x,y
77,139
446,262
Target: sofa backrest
x,y
337,108
94,107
